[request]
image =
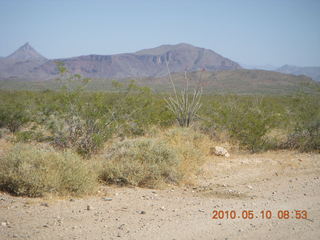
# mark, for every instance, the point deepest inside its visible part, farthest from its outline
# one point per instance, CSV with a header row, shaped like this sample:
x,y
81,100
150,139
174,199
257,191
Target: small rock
x,y
220,151
162,208
121,226
3,224
250,187
89,207
107,199
45,225
71,200
201,210
44,204
142,212
14,235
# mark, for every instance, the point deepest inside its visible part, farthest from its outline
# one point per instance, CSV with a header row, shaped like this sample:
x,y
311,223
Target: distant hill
x,y
25,53
27,69
240,81
313,72
267,67
27,64
229,81
21,63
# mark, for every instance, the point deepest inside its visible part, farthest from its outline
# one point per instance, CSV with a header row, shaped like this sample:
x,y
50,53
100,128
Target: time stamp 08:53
x,y
264,214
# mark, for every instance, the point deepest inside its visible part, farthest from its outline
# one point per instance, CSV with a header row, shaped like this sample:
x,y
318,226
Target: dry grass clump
x,y
142,161
170,156
35,171
192,147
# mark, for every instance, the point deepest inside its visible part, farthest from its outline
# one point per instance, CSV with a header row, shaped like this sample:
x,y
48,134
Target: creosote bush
x,y
305,135
35,171
84,136
142,161
13,116
247,120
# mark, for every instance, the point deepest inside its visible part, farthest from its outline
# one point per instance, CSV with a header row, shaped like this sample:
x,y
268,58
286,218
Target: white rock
x,y
220,151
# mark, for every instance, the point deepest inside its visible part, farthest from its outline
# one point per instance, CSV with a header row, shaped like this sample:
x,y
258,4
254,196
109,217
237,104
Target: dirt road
x,y
275,181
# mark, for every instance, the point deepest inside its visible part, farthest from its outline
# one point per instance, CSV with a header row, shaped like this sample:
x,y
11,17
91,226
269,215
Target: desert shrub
x,y
305,134
306,138
246,119
34,171
140,162
191,146
86,136
4,132
13,116
79,124
29,136
169,155
137,109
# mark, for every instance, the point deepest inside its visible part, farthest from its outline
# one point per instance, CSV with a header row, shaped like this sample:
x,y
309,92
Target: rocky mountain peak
x,y
25,53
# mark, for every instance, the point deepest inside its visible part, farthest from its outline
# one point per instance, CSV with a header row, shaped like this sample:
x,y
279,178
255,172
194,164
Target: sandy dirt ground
x,y
274,181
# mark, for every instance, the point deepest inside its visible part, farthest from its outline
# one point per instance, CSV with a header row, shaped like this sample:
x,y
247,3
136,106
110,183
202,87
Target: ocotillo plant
x,y
184,106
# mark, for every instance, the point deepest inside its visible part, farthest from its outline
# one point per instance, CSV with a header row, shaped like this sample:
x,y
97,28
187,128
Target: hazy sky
x,y
256,32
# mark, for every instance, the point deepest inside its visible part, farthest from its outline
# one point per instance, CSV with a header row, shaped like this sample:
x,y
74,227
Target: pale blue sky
x,y
256,32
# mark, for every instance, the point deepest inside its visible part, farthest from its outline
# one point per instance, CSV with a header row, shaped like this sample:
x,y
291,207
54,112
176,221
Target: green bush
x,y
13,116
246,119
33,171
85,136
29,135
140,162
305,134
305,138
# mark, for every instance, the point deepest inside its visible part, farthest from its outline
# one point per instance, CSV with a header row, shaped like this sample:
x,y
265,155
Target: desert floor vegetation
x,y
68,141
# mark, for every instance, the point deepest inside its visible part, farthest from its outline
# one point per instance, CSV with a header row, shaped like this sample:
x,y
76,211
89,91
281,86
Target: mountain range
x,y
27,69
313,72
26,63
